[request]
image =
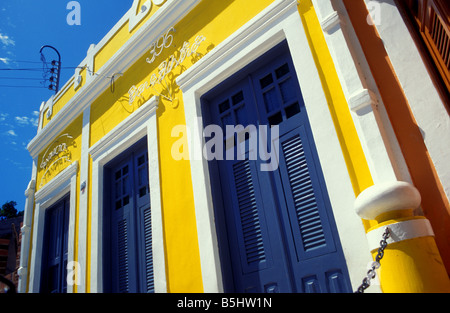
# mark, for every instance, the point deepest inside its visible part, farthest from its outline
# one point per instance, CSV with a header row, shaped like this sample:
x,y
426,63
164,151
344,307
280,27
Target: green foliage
x,y
9,210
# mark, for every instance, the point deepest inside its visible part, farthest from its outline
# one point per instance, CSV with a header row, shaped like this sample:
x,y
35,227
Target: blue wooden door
x,y
276,229
55,248
130,244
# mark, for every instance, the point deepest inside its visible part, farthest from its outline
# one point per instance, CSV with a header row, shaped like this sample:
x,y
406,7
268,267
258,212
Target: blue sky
x,y
26,26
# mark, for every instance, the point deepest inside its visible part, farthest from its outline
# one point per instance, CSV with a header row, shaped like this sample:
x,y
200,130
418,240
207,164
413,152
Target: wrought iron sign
x,y
56,154
158,46
174,61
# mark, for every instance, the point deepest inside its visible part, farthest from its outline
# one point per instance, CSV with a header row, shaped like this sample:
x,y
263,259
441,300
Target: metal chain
x,y
375,265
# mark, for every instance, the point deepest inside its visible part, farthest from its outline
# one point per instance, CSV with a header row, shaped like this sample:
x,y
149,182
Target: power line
x,y
31,62
21,78
46,72
9,86
21,69
37,69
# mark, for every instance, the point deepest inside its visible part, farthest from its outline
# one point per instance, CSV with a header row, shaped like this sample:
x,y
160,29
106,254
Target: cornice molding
x,y
168,15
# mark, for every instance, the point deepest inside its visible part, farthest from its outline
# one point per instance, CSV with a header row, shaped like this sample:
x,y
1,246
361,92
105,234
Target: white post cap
x,y
386,197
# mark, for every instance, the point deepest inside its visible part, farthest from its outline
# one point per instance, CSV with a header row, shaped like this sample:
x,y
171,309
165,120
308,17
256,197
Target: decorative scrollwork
x,y
175,60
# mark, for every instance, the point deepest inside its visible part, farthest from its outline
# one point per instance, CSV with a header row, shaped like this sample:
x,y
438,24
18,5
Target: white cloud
x,y
3,116
12,133
25,120
5,60
22,120
6,40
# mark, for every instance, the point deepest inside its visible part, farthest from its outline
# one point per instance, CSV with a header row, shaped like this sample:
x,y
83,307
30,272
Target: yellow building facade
x,y
134,116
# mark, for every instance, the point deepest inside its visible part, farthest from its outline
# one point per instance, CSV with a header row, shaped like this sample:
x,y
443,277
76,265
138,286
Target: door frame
x,y
278,22
138,125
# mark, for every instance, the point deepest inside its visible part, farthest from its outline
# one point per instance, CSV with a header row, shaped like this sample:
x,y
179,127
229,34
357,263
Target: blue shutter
x,y
52,264
65,243
54,257
256,253
311,235
252,244
303,194
148,253
145,222
130,215
279,233
122,255
318,265
122,227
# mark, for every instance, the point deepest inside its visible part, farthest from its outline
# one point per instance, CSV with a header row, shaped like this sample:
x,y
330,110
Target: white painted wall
x,y
426,105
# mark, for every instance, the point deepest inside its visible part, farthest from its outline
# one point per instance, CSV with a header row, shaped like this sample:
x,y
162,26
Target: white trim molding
x,y
83,217
377,137
64,183
277,22
26,232
400,231
141,123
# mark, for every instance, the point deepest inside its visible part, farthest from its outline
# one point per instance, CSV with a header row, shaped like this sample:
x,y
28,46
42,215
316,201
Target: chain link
x,y
375,265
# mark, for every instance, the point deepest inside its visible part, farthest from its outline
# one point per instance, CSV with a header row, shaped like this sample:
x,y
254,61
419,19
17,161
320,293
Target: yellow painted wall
x,y
180,233
120,38
63,97
71,136
216,20
61,100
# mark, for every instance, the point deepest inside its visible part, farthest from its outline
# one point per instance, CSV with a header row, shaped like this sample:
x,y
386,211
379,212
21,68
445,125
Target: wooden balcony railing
x,y
432,19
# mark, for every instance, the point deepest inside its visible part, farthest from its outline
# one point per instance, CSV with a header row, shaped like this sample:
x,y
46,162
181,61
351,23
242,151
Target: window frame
x,y
279,21
421,33
64,183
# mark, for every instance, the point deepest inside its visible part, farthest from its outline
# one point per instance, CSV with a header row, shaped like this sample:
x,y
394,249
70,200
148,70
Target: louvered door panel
x,y
123,253
148,252
306,208
260,265
305,203
252,240
144,221
122,256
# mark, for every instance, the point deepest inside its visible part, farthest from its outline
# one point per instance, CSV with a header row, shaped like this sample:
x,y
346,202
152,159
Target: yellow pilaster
x,y
411,261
